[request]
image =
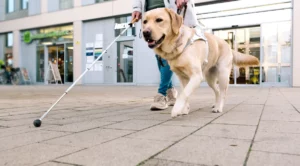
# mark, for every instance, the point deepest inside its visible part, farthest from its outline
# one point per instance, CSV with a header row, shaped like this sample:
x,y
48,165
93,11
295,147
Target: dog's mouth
x,y
153,43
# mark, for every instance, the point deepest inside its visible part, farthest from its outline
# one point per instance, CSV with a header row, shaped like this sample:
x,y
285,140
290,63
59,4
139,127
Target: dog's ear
x,y
176,20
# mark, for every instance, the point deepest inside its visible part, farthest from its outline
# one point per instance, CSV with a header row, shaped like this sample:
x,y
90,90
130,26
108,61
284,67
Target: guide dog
x,y
192,60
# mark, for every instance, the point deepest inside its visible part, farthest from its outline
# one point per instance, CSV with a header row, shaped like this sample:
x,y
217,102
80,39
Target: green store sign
x,y
28,37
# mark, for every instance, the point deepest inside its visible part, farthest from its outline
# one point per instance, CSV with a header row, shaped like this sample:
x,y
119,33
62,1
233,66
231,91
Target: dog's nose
x,y
147,33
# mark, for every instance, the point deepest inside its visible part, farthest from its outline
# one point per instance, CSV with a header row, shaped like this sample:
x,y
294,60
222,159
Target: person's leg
x,y
160,100
165,76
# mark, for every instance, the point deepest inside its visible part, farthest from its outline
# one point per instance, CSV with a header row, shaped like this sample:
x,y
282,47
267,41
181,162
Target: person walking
x,y
167,94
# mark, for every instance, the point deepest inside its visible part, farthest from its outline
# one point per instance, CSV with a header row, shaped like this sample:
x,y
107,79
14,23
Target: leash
x,y
179,10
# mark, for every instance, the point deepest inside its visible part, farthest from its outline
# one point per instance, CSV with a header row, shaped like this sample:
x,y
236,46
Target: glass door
x,y
69,63
247,41
125,62
276,55
56,56
40,64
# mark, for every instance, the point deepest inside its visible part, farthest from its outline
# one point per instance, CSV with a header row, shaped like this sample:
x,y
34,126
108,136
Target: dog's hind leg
x,y
212,82
223,79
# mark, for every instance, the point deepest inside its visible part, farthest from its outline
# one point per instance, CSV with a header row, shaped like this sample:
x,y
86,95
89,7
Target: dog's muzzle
x,y
152,43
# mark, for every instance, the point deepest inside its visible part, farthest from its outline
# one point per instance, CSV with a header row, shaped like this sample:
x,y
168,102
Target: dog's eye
x,y
145,21
159,20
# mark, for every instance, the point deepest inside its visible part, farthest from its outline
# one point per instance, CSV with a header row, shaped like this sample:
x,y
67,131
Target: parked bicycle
x,y
10,75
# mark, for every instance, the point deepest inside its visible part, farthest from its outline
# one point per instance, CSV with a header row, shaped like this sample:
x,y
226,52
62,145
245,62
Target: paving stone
x,y
13,123
55,164
13,141
227,131
189,120
18,117
239,118
81,126
89,138
134,124
118,118
249,108
281,115
279,126
34,154
164,133
272,159
123,151
158,116
4,132
208,151
160,162
277,142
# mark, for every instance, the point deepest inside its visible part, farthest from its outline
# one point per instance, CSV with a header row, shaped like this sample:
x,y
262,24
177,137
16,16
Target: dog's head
x,y
160,25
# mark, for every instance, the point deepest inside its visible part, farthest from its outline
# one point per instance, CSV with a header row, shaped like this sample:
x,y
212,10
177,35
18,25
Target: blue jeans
x,y
165,76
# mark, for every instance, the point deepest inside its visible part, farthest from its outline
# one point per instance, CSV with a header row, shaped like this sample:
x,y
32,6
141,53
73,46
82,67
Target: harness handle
x,y
179,10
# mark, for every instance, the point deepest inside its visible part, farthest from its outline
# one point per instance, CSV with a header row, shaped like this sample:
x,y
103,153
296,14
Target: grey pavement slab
x,y
124,151
192,120
136,134
55,164
272,159
133,124
228,131
279,126
4,132
14,141
164,133
208,151
240,118
34,154
277,142
81,126
281,114
161,162
89,138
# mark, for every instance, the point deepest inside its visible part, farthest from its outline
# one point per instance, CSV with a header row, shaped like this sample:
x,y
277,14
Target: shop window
x,y
65,4
24,4
9,40
10,6
121,23
98,1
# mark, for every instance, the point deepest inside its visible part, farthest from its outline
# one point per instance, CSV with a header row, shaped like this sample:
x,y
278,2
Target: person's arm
x,y
180,3
137,9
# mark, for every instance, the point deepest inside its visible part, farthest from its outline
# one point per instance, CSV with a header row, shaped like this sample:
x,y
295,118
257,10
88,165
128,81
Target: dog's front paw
x,y
178,108
186,109
217,110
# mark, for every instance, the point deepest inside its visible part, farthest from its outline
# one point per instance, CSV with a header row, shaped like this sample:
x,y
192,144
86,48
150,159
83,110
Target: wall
x,y
34,7
53,5
296,41
28,58
18,13
90,30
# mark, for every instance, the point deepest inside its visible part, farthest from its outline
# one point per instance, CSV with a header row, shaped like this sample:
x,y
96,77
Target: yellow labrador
x,y
164,32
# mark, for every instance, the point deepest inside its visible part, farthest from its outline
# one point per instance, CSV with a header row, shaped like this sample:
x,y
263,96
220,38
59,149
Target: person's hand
x,y
136,15
181,3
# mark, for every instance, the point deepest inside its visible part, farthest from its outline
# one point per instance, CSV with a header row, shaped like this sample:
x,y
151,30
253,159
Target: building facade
x,y
67,35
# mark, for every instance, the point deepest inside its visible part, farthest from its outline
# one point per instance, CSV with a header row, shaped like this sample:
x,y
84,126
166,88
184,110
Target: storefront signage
x,y
122,25
28,37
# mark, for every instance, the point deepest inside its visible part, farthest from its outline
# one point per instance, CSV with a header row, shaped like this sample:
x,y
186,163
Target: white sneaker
x,y
160,102
171,96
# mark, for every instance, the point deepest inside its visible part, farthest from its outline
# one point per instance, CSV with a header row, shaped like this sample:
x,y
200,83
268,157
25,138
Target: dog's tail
x,y
240,59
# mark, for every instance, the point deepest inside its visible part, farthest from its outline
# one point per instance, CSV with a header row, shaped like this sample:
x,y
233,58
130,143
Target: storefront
x,y
47,47
6,47
259,28
117,66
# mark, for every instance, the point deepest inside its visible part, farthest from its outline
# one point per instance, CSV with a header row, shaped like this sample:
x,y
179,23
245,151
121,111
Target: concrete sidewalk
x,y
112,126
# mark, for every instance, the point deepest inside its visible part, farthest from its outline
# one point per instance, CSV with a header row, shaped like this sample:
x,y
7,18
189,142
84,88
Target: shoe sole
x,y
158,109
